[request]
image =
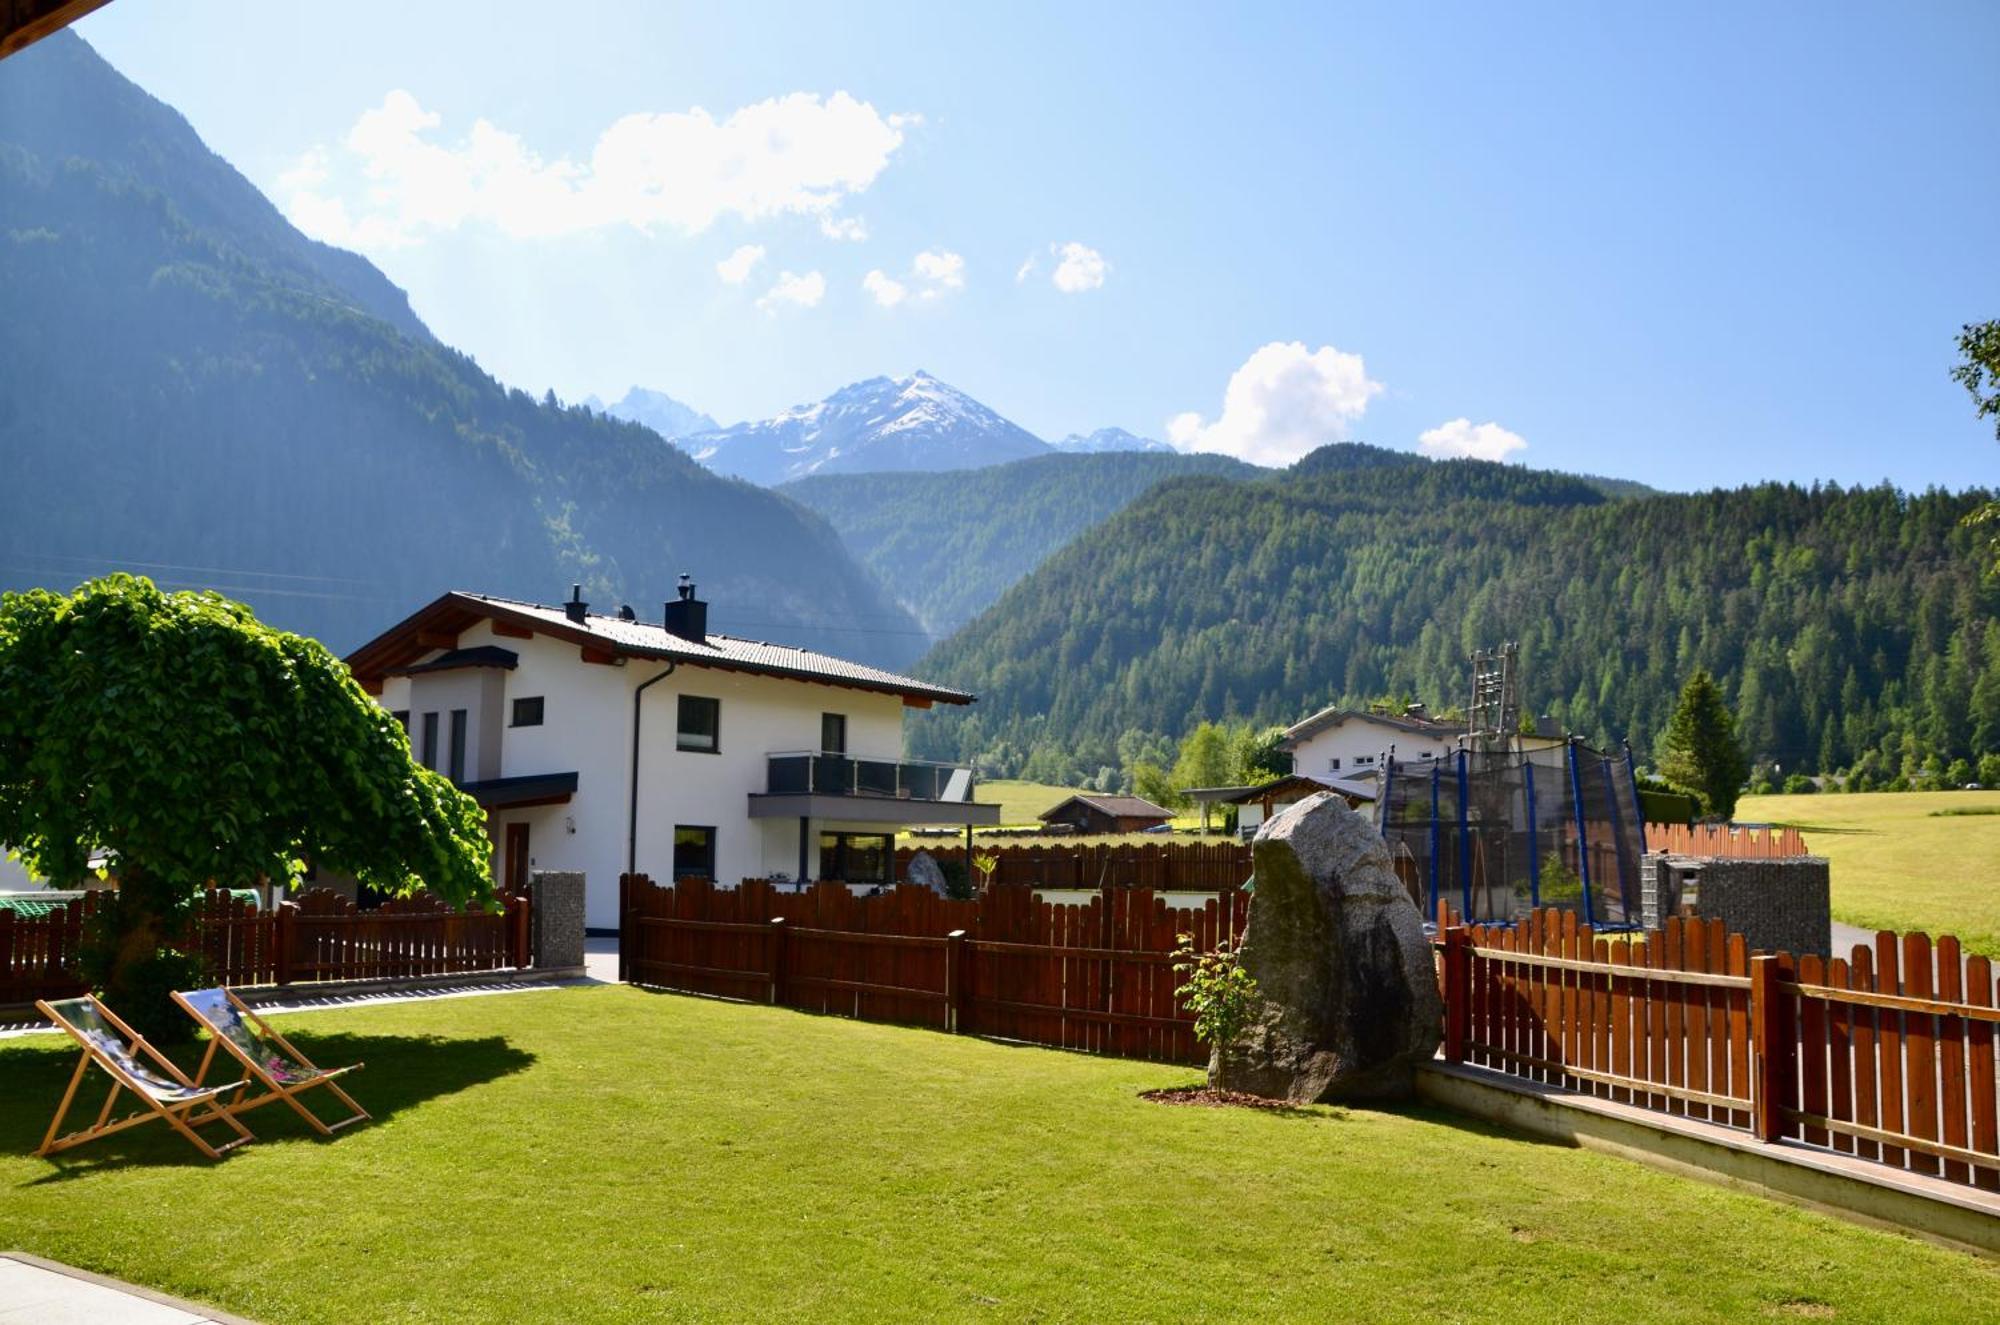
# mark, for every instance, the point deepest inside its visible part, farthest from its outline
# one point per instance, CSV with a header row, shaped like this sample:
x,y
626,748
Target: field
x,y
1899,865
609,1154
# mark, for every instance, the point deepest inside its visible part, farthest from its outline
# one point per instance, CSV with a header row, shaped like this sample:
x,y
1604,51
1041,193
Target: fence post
x,y
1771,1039
1457,991
628,929
517,929
284,940
954,980
777,960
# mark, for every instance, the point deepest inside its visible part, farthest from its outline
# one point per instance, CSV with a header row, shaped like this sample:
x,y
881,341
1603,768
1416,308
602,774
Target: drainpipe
x,y
632,815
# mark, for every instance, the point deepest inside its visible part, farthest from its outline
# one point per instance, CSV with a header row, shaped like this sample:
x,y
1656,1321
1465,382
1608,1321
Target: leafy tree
x,y
1699,753
196,746
1156,785
1979,373
1207,758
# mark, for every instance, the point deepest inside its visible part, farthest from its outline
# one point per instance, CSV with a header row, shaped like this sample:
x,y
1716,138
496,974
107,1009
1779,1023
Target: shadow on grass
x,y
400,1072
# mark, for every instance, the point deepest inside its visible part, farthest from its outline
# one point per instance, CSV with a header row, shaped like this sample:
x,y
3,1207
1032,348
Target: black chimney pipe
x,y
686,616
576,609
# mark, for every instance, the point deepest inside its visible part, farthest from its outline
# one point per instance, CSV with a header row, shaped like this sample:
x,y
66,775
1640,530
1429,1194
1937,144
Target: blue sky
x,y
1702,247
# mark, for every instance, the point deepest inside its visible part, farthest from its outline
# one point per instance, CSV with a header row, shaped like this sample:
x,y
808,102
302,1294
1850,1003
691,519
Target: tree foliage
x,y
196,746
1699,753
1978,371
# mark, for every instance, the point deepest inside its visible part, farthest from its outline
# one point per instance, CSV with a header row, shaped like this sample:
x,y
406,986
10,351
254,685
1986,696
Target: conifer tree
x,y
1699,753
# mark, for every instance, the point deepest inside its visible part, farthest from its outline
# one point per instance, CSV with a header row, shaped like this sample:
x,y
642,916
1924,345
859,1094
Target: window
x,y
694,852
833,733
700,723
528,712
854,857
457,770
430,742
1333,765
402,716
1363,761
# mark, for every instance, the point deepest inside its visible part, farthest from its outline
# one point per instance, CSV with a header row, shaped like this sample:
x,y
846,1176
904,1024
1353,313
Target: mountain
x,y
194,389
1108,439
658,411
1845,626
949,544
882,424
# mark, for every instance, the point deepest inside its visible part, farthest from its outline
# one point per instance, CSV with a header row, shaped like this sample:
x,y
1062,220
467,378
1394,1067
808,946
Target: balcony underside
x,y
886,810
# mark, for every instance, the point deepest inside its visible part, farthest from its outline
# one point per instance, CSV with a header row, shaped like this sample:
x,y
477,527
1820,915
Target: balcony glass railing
x,y
817,772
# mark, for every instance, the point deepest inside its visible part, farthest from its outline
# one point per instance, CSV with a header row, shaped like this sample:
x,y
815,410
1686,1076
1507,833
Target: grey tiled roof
x,y
652,640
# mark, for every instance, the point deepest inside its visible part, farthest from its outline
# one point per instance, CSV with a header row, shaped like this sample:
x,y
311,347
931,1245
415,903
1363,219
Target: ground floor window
x,y
854,857
694,852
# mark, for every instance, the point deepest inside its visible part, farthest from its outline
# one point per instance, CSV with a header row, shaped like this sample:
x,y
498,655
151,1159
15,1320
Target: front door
x,y
515,877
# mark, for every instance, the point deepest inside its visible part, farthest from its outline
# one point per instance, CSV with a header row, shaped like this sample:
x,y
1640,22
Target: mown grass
x,y
1912,860
609,1154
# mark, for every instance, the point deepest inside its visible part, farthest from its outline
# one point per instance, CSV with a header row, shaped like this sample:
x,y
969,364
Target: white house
x,y
604,743
1345,743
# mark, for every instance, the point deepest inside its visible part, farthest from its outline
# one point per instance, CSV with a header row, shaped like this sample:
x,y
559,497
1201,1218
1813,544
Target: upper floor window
x,y
1333,765
833,733
428,749
456,772
1363,761
528,712
700,725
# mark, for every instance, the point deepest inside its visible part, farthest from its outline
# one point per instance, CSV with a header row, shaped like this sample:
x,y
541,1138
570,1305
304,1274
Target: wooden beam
x,y
25,22
437,639
603,657
508,630
916,701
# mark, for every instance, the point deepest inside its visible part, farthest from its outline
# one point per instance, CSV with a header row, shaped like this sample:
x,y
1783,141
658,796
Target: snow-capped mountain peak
x,y
1109,439
883,423
658,411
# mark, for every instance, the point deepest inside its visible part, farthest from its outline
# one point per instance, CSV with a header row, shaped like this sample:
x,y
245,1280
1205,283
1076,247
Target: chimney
x,y
625,613
576,609
687,616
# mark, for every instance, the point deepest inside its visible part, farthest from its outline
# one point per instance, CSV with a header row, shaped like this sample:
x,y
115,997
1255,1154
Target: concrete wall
x,y
1777,905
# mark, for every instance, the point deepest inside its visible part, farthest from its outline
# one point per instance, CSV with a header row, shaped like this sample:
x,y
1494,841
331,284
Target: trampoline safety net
x,y
1497,834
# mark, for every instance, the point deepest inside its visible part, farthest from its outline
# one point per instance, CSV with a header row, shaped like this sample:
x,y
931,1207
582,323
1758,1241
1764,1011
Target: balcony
x,y
868,789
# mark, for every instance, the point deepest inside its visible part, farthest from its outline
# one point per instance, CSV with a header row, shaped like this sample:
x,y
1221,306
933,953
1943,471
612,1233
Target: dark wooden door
x,y
516,876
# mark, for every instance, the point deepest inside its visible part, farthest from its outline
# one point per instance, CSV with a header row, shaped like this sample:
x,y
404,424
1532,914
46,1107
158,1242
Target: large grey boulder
x,y
1348,1001
925,872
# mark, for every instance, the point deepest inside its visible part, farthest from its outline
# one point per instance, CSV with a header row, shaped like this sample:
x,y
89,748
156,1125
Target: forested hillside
x,y
948,544
199,391
1839,621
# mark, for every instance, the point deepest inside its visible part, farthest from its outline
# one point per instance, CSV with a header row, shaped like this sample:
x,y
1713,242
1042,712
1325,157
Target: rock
x,y
1348,1001
925,873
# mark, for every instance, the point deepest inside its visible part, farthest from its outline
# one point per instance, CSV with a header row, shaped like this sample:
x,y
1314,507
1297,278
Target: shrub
x,y
1218,991
1798,784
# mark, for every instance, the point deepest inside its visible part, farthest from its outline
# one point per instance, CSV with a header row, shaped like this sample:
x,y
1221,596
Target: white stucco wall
x,y
1359,745
586,728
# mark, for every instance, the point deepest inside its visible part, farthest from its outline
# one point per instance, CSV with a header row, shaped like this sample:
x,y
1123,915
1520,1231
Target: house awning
x,y
888,811
518,792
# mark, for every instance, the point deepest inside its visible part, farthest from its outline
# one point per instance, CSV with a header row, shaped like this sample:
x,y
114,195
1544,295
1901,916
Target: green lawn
x,y
1897,865
1021,803
608,1154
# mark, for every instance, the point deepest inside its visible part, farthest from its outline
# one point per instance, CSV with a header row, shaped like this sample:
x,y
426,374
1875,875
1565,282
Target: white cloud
x,y
802,291
888,293
942,269
849,229
1025,270
396,179
735,269
1284,401
1463,439
1078,268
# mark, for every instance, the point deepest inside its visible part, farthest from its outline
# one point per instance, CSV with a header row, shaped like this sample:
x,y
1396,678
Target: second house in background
x,y
603,743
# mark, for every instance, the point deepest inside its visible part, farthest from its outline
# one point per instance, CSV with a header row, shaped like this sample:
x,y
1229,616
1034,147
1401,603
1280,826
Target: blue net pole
x,y
1534,850
1625,892
1434,835
1582,836
1638,802
1464,840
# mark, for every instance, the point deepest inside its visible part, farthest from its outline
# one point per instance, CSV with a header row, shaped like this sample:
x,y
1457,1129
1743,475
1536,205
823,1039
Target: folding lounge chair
x,y
163,1090
269,1057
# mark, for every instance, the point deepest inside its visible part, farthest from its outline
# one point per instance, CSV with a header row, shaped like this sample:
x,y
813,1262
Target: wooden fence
x,y
1887,1054
1089,867
1095,977
321,936
1743,841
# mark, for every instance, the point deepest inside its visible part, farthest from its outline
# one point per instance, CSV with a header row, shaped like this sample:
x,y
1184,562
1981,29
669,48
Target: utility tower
x,y
1493,718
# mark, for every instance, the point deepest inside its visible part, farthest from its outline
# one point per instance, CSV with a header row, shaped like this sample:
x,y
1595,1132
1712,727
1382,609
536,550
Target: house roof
x,y
1334,715
438,624
1118,807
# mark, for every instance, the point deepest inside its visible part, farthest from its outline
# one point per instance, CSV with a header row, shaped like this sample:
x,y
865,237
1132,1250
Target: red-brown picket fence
x,y
1085,866
321,936
1741,841
1096,977
1887,1054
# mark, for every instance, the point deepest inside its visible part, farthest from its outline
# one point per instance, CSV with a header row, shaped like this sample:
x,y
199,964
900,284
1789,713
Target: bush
x,y
1218,991
1989,770
1958,774
1798,784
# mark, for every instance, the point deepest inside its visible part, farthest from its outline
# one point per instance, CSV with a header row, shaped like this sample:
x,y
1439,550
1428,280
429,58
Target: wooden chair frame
x,y
178,1114
275,1090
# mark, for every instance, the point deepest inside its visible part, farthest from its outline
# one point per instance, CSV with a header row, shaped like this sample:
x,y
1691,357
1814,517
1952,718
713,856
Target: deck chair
x,y
163,1090
268,1056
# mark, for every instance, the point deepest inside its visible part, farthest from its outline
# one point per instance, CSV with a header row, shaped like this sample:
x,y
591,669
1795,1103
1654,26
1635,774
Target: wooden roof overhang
x,y
25,22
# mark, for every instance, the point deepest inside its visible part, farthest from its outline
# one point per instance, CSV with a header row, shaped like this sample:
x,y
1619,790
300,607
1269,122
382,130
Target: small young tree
x,y
1220,993
1699,752
196,746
